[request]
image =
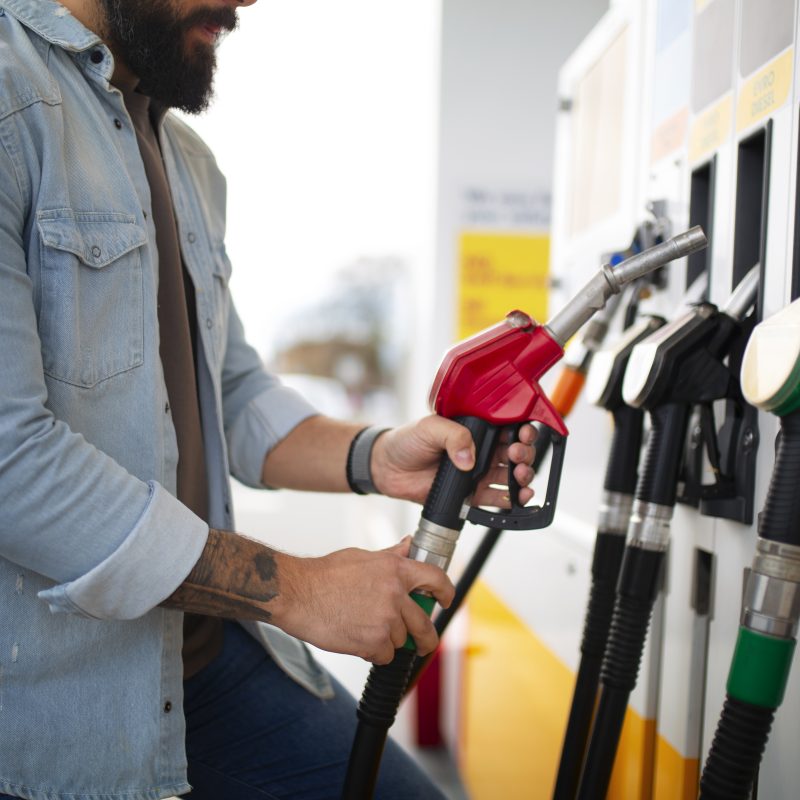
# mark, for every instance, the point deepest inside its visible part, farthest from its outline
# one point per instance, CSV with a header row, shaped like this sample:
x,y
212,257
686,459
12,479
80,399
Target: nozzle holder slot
x,y
731,450
701,212
752,207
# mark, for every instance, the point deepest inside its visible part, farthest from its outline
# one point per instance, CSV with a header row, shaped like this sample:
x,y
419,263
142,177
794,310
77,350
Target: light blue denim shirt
x,y
92,538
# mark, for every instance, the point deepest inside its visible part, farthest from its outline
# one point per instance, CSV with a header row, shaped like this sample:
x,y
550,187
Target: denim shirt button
x,y
167,707
96,56
209,323
96,251
117,123
166,408
192,238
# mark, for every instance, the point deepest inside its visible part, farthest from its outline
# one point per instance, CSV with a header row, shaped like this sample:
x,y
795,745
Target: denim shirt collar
x,y
53,22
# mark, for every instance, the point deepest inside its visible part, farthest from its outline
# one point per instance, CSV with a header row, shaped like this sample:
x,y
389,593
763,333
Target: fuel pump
x,y
771,604
677,367
486,383
604,389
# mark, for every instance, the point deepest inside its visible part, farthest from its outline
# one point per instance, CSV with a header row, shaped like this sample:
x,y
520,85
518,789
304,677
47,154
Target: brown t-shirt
x,y
202,636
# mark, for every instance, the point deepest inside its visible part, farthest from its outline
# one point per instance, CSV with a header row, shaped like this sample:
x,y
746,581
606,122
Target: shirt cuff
x,y
149,565
265,421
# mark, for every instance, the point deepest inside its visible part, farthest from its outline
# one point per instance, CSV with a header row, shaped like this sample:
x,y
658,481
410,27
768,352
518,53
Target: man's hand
x,y
357,601
405,460
351,601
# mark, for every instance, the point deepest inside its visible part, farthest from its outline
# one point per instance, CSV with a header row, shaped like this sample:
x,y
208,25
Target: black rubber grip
x,y
377,710
626,444
544,440
452,486
736,751
658,479
780,519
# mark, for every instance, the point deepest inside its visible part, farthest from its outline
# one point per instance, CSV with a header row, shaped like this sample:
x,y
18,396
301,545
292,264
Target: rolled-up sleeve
x,y
118,587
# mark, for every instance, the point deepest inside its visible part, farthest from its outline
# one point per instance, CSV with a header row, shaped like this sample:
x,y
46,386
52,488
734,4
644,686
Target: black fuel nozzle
x,y
604,389
681,365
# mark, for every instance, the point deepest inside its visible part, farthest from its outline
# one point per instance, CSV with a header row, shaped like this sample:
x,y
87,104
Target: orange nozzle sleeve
x,y
569,385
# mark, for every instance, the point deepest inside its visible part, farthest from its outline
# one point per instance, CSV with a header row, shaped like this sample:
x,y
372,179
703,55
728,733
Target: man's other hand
x,y
357,601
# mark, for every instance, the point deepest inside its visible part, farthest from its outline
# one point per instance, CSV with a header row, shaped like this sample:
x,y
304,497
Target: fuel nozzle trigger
x,y
528,518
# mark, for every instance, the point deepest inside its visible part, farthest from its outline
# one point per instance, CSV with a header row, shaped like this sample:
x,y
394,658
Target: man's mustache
x,y
224,18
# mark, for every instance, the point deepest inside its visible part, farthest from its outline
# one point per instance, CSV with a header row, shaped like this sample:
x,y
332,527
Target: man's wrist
x,y
358,468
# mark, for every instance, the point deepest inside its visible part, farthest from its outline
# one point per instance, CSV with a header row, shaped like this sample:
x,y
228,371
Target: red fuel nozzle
x,y
494,375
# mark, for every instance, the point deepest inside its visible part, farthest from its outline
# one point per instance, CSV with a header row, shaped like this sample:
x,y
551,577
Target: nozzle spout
x,y
610,280
678,246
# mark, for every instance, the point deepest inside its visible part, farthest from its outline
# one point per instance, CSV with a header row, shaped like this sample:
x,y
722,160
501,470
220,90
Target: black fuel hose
x,y
377,709
761,663
386,684
639,584
780,519
736,751
621,474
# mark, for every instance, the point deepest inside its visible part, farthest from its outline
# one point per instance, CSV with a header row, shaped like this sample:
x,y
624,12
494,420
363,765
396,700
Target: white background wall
x,y
324,123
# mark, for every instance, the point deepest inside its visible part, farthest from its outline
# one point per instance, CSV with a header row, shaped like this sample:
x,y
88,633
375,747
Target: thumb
x,y
460,447
454,438
402,547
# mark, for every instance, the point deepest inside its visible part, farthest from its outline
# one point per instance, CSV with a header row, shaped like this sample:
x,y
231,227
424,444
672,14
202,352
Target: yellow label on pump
x,y
499,272
765,91
711,129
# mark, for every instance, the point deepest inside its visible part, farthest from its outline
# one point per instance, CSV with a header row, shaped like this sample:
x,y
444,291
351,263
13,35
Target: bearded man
x,y
128,395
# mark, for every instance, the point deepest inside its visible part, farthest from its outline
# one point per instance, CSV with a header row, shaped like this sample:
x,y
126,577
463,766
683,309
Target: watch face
x,y
603,362
771,363
639,374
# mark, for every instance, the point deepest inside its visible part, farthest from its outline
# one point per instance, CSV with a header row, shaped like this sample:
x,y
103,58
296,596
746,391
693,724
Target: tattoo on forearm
x,y
235,577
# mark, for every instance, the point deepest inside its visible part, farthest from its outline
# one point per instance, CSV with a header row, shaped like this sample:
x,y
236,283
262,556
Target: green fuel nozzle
x,y
762,657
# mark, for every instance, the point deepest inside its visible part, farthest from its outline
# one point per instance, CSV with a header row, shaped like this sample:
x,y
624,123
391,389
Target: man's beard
x,y
151,39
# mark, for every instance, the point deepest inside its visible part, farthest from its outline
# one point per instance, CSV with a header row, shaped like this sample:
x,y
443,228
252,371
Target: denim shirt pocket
x,y
92,317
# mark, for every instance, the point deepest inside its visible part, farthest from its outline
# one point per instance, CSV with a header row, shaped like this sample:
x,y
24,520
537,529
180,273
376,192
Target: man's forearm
x,y
312,457
235,577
